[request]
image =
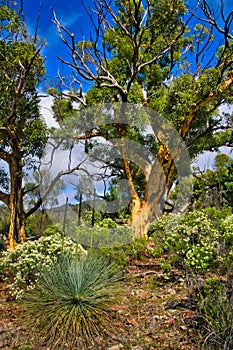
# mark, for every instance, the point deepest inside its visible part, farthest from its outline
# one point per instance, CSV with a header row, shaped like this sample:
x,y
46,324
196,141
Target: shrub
x,y
23,265
106,234
227,227
216,305
200,258
2,245
137,249
192,238
70,302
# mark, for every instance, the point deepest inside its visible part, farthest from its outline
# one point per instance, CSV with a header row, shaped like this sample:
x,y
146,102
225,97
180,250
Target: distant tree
x,y
214,187
161,55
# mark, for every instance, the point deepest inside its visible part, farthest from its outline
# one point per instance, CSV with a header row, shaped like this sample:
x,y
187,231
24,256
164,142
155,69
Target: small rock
x,y
133,322
116,347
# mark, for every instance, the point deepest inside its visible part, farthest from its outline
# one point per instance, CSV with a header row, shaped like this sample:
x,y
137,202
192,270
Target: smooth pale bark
x,y
151,207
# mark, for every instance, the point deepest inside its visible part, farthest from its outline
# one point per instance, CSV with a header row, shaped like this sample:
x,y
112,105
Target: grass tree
x,y
70,304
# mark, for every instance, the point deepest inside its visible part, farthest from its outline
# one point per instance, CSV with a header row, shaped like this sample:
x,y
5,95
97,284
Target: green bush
x,y
216,306
2,245
23,265
227,227
200,258
216,215
70,303
106,234
192,238
137,249
53,229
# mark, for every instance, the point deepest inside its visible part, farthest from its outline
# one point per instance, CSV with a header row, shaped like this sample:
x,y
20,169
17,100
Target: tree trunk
x,y
143,211
17,215
151,208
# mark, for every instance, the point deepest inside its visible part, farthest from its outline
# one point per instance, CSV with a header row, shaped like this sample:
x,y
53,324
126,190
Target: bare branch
x,y
51,186
209,18
4,197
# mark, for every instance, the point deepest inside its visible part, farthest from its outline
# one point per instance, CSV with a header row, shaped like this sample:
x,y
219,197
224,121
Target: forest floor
x,y
155,312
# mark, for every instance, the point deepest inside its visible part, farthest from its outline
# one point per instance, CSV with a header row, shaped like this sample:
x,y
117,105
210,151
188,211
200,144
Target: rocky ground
x,y
156,312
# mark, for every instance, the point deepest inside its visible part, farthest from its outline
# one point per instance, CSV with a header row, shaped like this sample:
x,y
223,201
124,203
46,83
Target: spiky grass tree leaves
x,y
71,302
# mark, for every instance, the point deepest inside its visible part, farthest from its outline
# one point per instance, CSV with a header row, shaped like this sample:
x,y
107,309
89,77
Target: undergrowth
x,y
70,304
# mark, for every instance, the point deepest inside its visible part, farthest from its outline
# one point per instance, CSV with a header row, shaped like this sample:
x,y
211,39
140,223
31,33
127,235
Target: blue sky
x,y
71,14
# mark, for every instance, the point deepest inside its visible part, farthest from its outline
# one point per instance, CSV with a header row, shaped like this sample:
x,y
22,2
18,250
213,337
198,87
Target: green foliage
x,y
23,132
53,229
216,306
200,258
137,249
87,217
227,226
214,187
27,125
199,240
2,248
70,303
37,224
23,266
112,240
9,21
108,223
4,220
62,108
216,216
106,234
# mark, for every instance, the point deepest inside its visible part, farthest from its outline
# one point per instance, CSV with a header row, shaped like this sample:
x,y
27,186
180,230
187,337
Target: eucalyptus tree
x,y
23,132
167,56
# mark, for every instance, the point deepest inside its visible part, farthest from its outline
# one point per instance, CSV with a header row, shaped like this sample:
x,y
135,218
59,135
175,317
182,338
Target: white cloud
x,y
46,111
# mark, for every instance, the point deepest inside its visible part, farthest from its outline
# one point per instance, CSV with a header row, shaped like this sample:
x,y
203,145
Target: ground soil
x,y
156,312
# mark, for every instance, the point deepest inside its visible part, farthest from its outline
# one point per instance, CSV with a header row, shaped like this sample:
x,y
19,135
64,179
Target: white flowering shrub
x,y
192,237
23,266
200,258
227,226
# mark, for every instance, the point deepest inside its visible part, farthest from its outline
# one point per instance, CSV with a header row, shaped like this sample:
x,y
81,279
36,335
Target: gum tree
x,y
22,131
162,55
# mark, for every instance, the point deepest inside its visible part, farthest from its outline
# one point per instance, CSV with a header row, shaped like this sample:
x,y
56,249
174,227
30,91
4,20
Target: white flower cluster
x,y
192,236
227,225
199,258
23,265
